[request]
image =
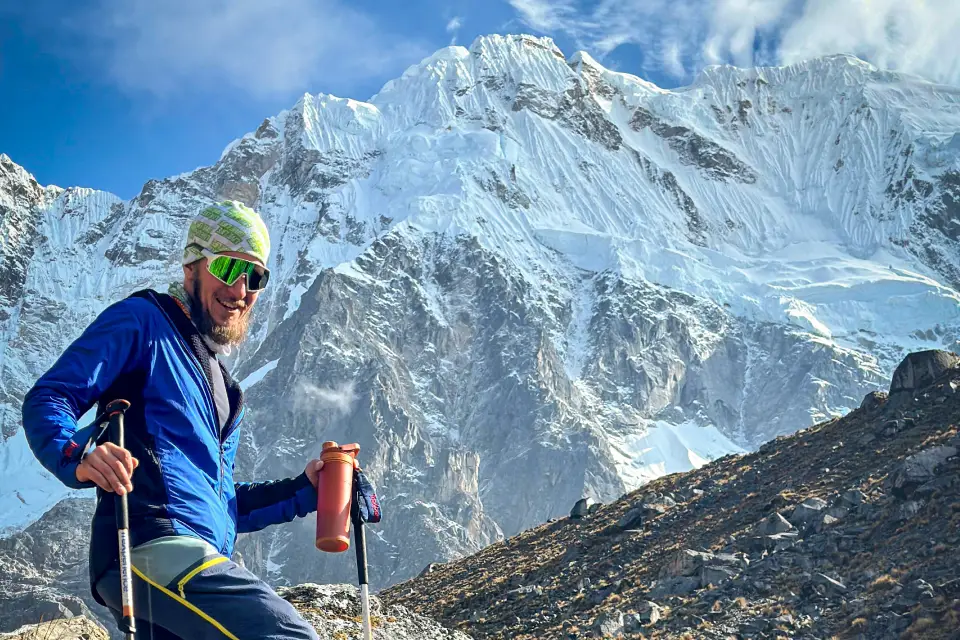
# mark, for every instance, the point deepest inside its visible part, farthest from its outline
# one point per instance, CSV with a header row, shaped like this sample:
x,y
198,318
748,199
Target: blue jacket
x,y
146,350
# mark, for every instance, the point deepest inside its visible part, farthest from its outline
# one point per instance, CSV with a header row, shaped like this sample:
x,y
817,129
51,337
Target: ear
x,y
189,273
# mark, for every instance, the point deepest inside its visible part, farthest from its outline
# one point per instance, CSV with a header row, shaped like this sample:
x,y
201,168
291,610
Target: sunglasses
x,y
228,270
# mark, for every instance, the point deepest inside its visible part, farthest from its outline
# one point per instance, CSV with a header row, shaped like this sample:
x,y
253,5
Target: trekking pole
x,y
360,542
127,625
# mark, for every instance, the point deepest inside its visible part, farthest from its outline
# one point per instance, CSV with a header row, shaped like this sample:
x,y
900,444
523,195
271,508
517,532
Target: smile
x,y
232,306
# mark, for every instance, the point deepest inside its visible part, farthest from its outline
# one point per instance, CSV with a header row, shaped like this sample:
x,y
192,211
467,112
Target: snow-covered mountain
x,y
517,278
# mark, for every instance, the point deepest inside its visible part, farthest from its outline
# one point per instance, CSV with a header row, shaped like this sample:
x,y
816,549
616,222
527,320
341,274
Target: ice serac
x,y
517,278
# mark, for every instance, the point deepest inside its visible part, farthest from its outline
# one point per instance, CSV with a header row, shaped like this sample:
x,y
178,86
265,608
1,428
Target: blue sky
x,y
108,94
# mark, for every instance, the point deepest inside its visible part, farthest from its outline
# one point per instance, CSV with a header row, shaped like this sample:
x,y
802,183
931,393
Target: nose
x,y
239,287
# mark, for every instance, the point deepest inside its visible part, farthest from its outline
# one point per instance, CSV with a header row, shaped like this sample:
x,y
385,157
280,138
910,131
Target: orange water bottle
x,y
334,493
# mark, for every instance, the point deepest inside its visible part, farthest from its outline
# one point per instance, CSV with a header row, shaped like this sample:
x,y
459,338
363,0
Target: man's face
x,y
221,312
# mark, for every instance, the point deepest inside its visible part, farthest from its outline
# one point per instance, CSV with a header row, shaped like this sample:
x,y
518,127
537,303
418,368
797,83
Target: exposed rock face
x,y
519,279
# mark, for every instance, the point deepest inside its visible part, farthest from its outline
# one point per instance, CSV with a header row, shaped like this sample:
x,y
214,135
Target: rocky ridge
x,y
847,529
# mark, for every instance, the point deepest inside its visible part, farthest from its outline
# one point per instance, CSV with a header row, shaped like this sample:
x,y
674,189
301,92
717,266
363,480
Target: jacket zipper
x,y
206,385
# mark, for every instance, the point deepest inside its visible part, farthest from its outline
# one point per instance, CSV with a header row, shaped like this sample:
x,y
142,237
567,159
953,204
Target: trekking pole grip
x,y
115,411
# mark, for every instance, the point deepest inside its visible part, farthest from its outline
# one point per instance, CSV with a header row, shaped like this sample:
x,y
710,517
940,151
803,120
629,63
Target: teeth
x,y
231,306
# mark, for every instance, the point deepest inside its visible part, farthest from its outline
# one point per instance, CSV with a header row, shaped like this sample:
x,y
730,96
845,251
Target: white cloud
x,y
679,37
917,36
335,401
453,28
253,47
550,15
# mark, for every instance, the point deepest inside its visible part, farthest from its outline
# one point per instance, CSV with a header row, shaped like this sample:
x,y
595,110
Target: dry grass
x,y
883,583
919,628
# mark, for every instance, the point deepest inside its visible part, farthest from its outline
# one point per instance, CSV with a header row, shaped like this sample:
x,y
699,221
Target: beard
x,y
232,335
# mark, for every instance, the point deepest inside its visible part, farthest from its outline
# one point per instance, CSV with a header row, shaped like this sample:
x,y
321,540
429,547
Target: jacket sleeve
x,y
73,385
261,504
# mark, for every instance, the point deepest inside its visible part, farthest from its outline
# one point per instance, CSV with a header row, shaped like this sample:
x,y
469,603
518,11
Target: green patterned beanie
x,y
227,226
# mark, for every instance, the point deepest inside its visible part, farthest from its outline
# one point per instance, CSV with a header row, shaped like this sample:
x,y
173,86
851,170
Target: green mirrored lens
x,y
227,270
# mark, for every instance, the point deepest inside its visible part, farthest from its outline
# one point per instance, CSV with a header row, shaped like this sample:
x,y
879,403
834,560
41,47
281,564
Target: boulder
x,y
582,508
873,400
609,625
674,586
716,575
920,369
919,469
807,511
685,563
772,525
649,613
831,584
851,499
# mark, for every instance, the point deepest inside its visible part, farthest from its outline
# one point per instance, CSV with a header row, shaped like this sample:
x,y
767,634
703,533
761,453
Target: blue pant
x,y
221,600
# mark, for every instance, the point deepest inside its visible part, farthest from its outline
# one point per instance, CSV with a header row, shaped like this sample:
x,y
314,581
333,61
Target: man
x,y
159,351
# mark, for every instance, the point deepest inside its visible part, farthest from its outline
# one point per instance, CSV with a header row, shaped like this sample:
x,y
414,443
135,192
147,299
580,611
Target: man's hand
x,y
109,467
313,470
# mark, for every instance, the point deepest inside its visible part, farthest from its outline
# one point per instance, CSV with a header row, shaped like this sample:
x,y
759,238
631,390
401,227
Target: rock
x,y
632,519
334,611
807,511
773,524
649,612
28,605
851,498
609,625
891,428
76,628
921,590
832,585
685,563
519,592
918,469
582,508
920,369
652,510
430,568
786,619
873,400
943,483
776,542
674,586
716,575
825,521
633,623
838,513
908,509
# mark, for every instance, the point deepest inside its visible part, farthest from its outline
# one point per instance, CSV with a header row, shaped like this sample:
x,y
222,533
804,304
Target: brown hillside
x,y
847,529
